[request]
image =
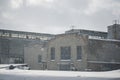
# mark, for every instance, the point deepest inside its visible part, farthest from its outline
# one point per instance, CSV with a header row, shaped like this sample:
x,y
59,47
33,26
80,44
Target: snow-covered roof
x,y
114,40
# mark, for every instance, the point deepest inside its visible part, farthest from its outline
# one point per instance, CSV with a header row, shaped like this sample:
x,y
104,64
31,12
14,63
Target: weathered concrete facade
x,y
97,54
72,41
4,50
11,51
74,50
104,54
12,44
35,56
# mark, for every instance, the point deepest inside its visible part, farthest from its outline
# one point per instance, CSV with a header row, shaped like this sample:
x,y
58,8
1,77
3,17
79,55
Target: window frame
x,y
52,53
65,67
39,58
65,53
79,52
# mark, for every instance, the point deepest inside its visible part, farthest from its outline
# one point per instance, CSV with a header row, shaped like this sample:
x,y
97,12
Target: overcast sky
x,y
56,16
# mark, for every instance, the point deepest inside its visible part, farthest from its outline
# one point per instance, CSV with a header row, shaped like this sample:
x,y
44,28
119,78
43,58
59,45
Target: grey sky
x,y
56,16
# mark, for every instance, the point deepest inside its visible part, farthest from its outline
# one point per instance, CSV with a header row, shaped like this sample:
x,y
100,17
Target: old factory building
x,y
76,49
12,44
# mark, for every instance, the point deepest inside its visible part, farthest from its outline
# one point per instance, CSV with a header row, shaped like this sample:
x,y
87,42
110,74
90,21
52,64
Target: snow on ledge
x,y
104,62
114,40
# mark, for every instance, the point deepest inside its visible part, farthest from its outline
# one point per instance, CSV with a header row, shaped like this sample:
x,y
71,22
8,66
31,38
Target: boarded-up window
x,y
52,53
65,67
65,53
79,52
39,58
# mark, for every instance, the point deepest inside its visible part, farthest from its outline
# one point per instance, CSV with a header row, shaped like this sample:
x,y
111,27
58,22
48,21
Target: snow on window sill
x,y
79,59
66,60
52,60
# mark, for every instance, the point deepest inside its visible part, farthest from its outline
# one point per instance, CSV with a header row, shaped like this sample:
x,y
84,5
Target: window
x,y
65,67
52,53
39,58
14,35
65,53
79,52
16,60
21,35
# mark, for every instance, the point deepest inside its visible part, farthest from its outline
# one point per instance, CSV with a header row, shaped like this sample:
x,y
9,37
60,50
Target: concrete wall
x,y
97,54
12,49
4,50
31,54
72,40
12,44
103,52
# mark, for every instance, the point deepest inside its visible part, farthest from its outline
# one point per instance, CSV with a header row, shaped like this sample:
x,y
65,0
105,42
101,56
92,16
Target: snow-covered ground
x,y
14,66
57,75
